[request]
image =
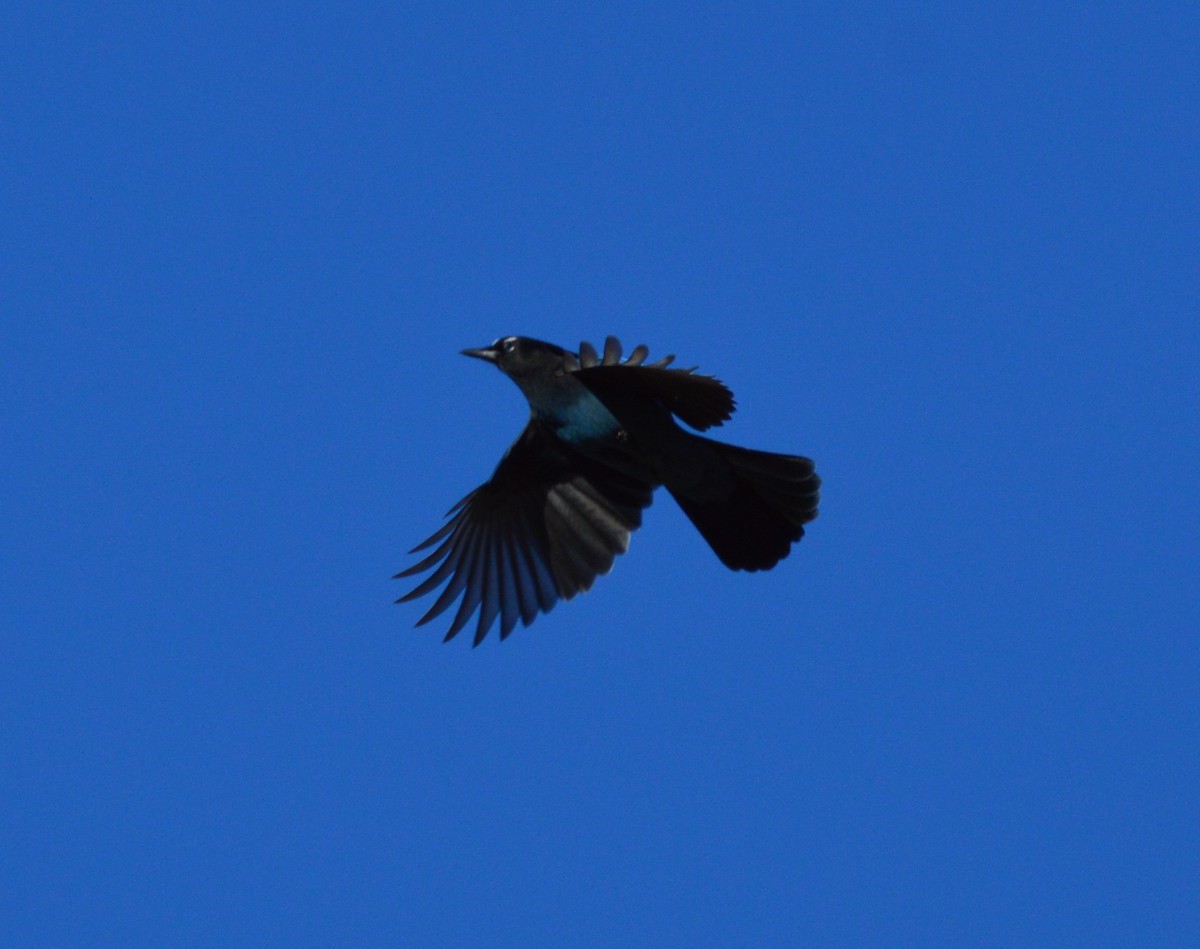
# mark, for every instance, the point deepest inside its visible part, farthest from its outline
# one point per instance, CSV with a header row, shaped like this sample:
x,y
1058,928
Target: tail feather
x,y
772,498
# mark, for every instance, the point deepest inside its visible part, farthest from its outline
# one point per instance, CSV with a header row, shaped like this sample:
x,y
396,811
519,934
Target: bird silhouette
x,y
602,435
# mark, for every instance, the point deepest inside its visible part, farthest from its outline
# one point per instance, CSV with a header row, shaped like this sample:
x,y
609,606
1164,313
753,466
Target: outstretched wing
x,y
699,401
545,525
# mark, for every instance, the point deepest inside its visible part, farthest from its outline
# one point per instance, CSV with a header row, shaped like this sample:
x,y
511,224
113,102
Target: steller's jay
x,y
601,436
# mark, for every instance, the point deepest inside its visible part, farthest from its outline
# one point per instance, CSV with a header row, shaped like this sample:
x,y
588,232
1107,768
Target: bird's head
x,y
522,358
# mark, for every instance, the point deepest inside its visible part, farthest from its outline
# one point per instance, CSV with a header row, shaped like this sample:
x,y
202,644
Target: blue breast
x,y
582,418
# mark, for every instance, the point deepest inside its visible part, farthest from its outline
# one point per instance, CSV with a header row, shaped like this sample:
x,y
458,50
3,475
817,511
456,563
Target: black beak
x,y
487,355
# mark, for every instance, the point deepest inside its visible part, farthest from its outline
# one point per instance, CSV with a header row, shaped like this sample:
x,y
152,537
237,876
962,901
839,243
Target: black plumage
x,y
601,437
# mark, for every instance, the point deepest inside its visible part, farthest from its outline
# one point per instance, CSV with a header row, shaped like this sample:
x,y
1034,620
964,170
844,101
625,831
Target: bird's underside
x,y
556,514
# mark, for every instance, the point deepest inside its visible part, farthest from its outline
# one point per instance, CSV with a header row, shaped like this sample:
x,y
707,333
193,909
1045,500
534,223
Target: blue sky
x,y
946,250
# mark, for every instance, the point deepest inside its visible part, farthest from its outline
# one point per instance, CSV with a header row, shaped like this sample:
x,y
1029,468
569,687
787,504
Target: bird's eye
x,y
509,345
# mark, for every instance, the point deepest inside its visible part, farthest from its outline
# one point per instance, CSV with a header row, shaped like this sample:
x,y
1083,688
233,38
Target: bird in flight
x,y
602,435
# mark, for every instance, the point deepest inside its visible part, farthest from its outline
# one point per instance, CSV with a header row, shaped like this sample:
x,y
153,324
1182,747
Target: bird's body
x,y
569,410
601,437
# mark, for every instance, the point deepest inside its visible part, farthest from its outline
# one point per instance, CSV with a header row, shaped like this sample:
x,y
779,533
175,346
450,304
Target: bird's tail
x,y
753,526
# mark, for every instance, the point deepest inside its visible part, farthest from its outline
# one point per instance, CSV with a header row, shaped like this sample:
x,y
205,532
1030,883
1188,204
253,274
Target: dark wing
x,y
545,525
699,401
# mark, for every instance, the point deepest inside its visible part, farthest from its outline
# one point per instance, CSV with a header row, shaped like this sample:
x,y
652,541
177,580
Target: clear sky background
x,y
947,250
